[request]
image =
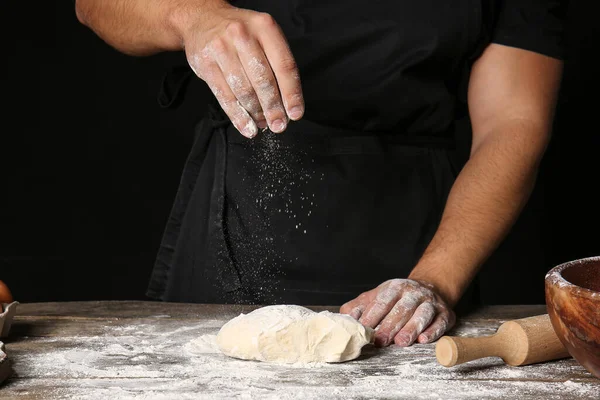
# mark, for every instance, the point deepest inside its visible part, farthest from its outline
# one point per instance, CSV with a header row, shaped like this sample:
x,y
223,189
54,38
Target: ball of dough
x,y
293,334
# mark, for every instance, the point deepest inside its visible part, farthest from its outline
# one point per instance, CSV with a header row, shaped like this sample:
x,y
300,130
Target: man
x,y
363,196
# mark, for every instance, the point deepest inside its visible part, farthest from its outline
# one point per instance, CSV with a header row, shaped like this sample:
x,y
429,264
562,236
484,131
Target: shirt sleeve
x,y
535,25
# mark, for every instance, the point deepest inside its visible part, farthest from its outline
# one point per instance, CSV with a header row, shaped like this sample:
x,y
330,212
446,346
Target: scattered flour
x,y
276,191
180,360
205,344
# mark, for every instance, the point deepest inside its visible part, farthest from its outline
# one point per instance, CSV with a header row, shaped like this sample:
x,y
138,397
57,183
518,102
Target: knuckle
x,y
428,297
226,102
235,82
253,107
437,333
239,120
273,106
346,308
444,320
388,295
385,329
430,308
400,309
413,284
378,303
396,283
265,20
229,106
259,115
246,95
410,300
265,84
362,297
218,45
236,29
296,96
427,309
288,65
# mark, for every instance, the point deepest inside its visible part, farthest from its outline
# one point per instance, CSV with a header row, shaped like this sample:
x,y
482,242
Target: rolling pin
x,y
518,342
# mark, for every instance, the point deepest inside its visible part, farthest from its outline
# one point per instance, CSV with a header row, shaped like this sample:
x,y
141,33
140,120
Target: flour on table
x,y
205,344
293,334
178,359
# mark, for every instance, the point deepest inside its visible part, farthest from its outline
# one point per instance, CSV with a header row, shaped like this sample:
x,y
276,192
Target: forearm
x,y
141,27
482,206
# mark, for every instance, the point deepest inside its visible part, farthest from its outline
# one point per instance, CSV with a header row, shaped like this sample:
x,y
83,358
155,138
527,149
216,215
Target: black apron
x,y
349,196
313,215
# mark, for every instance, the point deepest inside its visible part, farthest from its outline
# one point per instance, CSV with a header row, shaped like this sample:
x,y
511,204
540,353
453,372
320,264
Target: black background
x,y
90,163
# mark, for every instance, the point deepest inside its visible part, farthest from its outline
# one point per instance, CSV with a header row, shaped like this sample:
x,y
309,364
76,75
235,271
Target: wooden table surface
x,y
150,350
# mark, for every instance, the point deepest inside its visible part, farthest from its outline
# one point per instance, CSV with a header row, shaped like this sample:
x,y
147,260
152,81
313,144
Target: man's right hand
x,y
244,58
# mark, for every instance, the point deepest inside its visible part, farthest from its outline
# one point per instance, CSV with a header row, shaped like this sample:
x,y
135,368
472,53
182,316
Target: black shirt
x,y
351,194
401,65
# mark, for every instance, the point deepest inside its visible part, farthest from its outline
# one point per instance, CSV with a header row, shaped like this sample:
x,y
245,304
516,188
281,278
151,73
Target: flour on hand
x,y
293,334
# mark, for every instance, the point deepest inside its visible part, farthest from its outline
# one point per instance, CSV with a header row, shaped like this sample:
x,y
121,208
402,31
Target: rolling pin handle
x,y
454,350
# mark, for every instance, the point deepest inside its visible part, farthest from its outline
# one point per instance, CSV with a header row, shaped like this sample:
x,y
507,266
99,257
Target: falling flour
x,y
275,180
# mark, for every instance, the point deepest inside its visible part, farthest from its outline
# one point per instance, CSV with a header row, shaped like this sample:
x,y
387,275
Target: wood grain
x,y
111,350
5,370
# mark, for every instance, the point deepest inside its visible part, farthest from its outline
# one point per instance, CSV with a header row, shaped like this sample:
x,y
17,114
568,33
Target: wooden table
x,y
148,350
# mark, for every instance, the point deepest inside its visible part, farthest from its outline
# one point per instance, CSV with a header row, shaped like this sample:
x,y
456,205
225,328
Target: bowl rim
x,y
555,275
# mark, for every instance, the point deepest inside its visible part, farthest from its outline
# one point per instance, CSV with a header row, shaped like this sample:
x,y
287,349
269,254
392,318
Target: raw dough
x,y
293,334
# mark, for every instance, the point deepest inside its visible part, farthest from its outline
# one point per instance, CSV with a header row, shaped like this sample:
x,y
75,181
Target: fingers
x,y
205,67
240,118
421,319
356,307
248,65
227,58
397,318
387,296
265,85
403,311
442,322
353,311
284,66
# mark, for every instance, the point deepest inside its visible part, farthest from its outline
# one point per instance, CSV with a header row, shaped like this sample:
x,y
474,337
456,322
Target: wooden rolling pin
x,y
518,342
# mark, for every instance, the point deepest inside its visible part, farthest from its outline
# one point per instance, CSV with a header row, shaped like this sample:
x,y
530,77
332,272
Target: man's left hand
x,y
404,311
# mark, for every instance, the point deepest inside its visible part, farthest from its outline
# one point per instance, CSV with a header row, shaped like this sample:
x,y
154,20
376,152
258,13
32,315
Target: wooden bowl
x,y
573,303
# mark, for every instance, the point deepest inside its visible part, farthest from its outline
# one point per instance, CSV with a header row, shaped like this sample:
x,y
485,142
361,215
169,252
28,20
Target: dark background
x,y
90,162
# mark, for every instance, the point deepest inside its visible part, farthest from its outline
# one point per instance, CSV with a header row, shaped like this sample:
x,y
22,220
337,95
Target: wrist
x,y
446,288
189,16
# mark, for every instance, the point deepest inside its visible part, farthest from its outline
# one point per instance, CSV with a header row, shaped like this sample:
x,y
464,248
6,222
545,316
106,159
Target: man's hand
x,y
405,311
244,58
241,54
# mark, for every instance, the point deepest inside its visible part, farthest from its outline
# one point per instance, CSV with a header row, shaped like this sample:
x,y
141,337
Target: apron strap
x,y
218,247
217,253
